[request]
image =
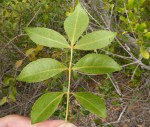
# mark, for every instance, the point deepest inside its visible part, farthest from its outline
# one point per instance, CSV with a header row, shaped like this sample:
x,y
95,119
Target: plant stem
x,y
69,83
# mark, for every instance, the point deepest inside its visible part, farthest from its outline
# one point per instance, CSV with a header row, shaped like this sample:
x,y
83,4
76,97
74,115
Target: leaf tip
x,y
104,114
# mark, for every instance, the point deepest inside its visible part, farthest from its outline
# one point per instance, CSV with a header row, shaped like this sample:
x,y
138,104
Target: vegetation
x,y
126,93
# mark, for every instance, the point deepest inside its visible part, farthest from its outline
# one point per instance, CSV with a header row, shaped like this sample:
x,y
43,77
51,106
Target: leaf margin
x,y
81,47
23,78
102,114
31,30
78,8
33,121
74,68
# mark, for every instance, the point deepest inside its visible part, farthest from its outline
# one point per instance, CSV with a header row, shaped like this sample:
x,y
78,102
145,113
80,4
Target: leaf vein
x,y
76,68
86,44
89,103
72,41
45,72
51,39
49,104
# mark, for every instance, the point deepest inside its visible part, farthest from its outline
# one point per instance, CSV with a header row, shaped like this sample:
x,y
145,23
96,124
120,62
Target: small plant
x,y
45,68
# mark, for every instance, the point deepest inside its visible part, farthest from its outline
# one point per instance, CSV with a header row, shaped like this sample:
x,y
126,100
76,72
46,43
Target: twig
x,y
16,37
92,17
111,17
18,49
121,114
134,72
144,66
130,64
110,53
115,122
94,80
107,27
131,55
33,17
115,85
129,22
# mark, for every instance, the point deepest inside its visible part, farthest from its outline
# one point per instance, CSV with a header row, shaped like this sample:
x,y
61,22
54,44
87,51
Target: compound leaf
x,y
47,37
96,64
40,70
45,106
91,102
95,40
76,24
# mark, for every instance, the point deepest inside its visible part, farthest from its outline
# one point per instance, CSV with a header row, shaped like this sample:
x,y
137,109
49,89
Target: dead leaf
x,y
18,63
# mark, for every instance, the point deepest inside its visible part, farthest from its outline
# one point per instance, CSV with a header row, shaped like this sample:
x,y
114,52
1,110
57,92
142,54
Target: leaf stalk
x,y
69,84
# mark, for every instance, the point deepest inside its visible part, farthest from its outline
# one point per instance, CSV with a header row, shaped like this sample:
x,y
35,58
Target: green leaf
x,y
47,37
141,2
3,101
96,64
141,28
92,102
13,93
144,53
147,35
7,81
135,3
45,106
132,3
40,70
95,40
76,24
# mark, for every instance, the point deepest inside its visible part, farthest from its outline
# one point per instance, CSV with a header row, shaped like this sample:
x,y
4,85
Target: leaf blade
x,y
95,40
45,106
76,24
145,54
47,37
3,101
40,70
96,64
92,103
